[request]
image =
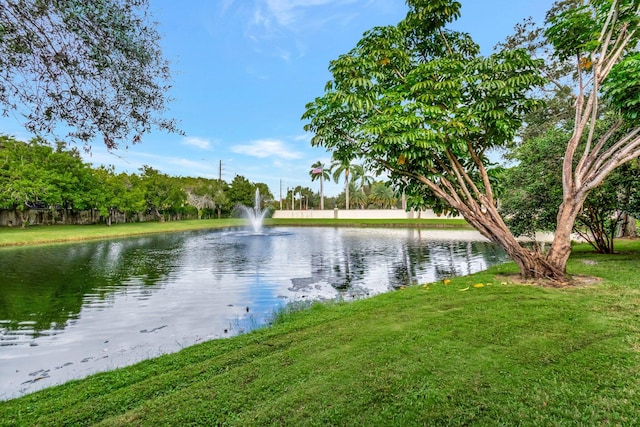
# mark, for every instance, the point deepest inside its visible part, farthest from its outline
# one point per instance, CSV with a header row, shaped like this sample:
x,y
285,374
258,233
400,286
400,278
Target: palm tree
x,y
359,174
383,195
318,171
340,167
358,196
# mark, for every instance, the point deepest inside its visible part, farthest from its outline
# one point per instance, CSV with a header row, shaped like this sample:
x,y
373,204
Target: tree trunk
x,y
156,214
321,193
627,228
561,247
24,216
346,197
532,264
346,188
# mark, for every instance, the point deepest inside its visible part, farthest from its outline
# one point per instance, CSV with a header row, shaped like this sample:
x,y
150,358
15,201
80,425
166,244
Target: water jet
x,y
255,214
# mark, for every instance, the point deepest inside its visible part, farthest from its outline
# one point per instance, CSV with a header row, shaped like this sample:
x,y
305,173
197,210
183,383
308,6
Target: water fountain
x,y
255,214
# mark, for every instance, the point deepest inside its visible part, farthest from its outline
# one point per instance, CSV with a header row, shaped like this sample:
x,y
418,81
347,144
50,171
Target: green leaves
x,y
35,175
98,65
411,96
622,87
578,31
431,15
573,32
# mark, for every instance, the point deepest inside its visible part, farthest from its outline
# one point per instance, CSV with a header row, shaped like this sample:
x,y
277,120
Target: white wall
x,y
387,214
357,214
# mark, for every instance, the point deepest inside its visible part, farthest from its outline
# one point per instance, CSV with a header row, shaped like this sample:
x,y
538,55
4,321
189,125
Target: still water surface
x,y
67,311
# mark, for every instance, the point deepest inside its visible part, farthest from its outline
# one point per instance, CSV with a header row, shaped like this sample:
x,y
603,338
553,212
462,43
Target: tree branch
x,y
585,167
625,150
463,178
483,173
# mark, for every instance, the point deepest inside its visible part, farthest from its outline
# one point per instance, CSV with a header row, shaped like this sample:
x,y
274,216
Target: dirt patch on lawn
x,y
575,281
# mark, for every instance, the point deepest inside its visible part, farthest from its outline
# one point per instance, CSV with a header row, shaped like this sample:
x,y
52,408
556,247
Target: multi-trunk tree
x,y
419,102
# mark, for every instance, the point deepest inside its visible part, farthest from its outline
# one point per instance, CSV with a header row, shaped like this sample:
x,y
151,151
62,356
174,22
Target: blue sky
x,y
244,70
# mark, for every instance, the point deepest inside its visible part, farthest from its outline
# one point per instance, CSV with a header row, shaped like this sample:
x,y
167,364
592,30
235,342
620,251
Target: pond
x,y
70,310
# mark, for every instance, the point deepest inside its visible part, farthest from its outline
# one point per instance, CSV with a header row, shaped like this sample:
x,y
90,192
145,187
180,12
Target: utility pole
x,y
220,171
280,194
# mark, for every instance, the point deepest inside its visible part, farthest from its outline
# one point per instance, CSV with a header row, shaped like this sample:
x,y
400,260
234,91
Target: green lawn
x,y
496,353
70,233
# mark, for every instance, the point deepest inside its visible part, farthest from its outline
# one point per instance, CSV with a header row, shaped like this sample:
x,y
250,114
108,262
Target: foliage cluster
x,y
92,69
361,190
547,176
533,193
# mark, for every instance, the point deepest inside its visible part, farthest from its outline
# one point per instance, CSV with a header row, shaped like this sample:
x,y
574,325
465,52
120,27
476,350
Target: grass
x,y
437,354
71,233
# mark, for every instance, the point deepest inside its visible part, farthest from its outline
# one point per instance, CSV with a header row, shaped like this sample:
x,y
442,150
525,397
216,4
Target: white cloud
x,y
201,143
251,71
259,18
283,54
266,148
132,160
288,12
189,165
277,18
225,5
306,137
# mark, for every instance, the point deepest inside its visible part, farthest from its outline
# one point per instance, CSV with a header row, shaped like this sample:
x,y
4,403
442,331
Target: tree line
x,y
52,178
36,176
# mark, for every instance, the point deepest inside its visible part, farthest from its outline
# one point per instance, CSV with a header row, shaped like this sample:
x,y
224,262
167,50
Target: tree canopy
x,y
94,69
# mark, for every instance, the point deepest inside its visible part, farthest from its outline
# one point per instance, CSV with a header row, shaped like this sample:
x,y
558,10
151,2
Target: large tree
x,y
343,165
24,183
241,191
382,195
92,68
418,101
162,193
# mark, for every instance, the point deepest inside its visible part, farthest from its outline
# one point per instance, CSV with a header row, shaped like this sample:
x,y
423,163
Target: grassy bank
x,y
478,350
71,233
